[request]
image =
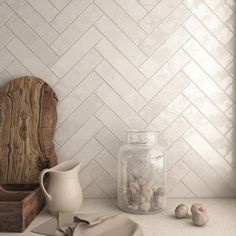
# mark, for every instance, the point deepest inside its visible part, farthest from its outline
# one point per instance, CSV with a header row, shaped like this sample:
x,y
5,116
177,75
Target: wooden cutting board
x,y
28,119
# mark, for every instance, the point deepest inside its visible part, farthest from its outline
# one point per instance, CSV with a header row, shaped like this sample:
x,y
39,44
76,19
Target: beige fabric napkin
x,y
90,225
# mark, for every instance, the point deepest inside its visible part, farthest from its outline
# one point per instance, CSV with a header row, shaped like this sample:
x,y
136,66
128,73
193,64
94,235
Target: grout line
x,y
107,126
222,90
212,13
123,101
128,13
106,61
223,69
16,13
84,121
60,9
168,102
193,104
118,25
60,33
161,68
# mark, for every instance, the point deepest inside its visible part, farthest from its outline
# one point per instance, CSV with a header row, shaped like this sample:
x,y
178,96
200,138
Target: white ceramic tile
x,y
109,163
16,69
76,29
5,36
179,191
77,119
5,13
230,159
33,19
107,184
94,191
45,8
133,8
88,153
229,135
162,54
6,59
164,97
213,69
120,63
30,38
121,41
69,13
77,96
208,41
208,153
79,139
209,19
174,132
207,130
120,85
220,8
208,175
230,179
149,4
197,186
76,52
169,114
207,85
120,107
158,14
59,4
165,29
122,19
175,174
207,108
109,141
30,61
89,174
5,77
113,123
176,152
77,73
164,75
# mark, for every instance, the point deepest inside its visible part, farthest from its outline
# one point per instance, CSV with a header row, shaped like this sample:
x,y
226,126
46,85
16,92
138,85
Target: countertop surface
x,y
222,214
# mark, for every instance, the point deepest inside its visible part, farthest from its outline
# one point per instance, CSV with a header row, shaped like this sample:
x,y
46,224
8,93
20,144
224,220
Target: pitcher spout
x,y
66,167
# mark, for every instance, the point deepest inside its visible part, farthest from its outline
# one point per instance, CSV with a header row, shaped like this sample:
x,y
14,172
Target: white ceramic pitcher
x,y
64,192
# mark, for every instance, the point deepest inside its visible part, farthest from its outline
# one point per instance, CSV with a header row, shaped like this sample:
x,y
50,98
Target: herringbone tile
x,y
115,65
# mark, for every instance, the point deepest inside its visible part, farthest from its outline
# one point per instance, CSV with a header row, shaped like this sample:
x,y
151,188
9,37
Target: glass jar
x,y
141,174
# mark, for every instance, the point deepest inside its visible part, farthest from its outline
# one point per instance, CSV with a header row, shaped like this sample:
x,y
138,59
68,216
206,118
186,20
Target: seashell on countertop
x,y
181,211
199,214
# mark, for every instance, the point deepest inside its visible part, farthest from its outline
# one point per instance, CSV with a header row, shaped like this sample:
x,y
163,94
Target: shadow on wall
x,y
234,99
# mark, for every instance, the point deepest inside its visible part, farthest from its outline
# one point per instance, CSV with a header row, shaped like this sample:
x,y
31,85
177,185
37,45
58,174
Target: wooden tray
x,y
19,205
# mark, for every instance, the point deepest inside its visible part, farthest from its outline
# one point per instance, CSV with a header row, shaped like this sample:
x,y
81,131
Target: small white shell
x,y
145,206
133,206
135,186
181,211
159,199
141,181
199,214
147,192
159,202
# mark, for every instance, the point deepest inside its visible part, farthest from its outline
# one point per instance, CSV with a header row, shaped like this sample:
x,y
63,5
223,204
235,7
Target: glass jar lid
x,y
145,137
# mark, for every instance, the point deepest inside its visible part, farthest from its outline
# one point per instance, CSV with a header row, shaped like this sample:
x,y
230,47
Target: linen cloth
x,y
67,224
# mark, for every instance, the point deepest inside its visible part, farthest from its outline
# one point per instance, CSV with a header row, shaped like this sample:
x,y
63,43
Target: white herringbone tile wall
x,y
132,64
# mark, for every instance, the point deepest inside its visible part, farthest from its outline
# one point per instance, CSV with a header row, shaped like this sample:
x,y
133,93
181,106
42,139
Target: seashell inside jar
x,y
141,174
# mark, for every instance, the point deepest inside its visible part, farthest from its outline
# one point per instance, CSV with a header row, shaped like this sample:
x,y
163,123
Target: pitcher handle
x,y
41,183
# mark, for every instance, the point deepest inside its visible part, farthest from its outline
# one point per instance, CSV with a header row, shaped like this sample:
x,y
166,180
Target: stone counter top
x,y
222,214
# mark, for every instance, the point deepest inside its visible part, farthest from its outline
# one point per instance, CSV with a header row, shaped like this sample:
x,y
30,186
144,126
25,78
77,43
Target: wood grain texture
x,y
28,119
19,205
